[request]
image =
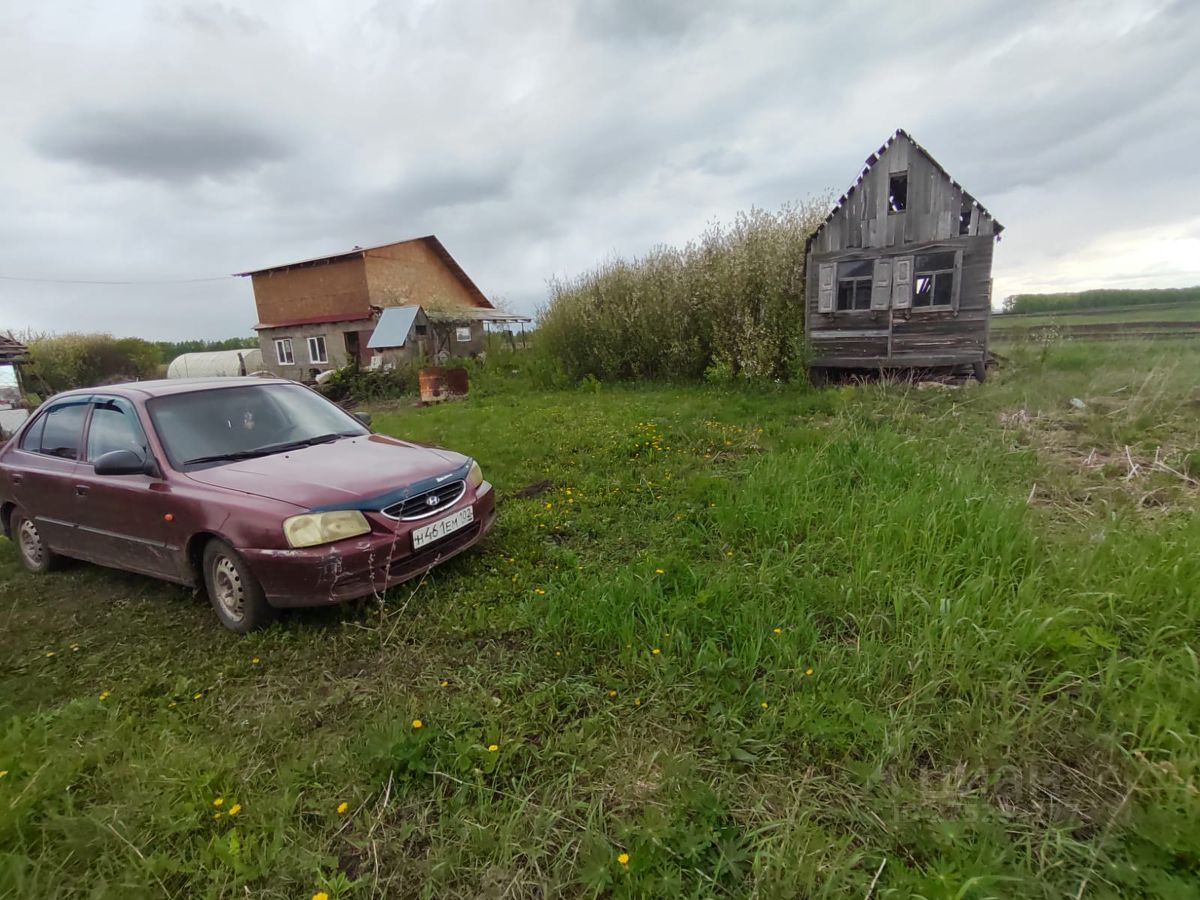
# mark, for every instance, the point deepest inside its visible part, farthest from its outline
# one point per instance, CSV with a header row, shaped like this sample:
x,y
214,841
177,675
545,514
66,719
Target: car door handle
x,y
81,490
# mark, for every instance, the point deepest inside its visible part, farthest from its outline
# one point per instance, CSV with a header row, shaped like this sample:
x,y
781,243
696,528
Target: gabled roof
x,y
870,164
429,240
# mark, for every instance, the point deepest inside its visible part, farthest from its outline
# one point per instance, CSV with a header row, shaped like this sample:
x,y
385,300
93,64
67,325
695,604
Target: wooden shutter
x,y
902,283
825,288
957,277
881,284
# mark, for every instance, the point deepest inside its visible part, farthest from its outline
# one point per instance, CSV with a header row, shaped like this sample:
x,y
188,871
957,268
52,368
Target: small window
x,y
422,330
898,192
61,431
462,333
283,352
854,285
114,426
316,349
933,284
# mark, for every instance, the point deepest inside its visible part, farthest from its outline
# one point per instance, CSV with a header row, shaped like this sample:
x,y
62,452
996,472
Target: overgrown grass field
x,y
868,641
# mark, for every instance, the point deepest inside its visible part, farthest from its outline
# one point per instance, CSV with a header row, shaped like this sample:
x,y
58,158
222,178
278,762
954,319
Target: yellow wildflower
x,y
217,815
623,859
538,591
612,693
637,701
171,705
50,653
808,671
255,661
197,695
778,630
445,683
558,653
104,695
320,895
235,809
3,772
656,651
417,723
342,807
658,571
218,801
492,748
765,704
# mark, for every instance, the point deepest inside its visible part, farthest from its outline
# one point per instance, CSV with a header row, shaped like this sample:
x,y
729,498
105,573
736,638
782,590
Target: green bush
x,y
1098,299
65,361
367,385
731,301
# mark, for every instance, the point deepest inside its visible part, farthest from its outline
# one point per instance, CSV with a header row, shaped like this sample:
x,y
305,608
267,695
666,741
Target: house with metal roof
x,y
899,275
320,314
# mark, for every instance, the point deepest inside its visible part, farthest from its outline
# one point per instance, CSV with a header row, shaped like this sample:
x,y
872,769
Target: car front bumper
x,y
366,565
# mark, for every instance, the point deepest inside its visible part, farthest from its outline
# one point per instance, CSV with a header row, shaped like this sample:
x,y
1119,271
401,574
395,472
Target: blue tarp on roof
x,y
393,327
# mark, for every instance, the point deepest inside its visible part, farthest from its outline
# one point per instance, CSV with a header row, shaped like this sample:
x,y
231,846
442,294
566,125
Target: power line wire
x,y
97,281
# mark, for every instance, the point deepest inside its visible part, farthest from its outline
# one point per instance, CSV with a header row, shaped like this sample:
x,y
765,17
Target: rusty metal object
x,y
439,384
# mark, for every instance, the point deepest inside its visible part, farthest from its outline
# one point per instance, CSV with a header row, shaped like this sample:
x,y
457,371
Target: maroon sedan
x,y
261,489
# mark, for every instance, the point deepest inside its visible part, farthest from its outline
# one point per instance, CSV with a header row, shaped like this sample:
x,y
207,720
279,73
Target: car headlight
x,y
311,529
475,476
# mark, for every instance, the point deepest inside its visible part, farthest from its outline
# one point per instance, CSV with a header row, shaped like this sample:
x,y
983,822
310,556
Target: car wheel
x,y
233,590
35,555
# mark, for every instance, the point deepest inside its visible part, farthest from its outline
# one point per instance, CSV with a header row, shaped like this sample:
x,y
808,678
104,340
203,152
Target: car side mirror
x,y
124,462
365,418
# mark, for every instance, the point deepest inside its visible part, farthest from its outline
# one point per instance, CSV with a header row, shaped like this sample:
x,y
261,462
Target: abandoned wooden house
x,y
320,314
898,276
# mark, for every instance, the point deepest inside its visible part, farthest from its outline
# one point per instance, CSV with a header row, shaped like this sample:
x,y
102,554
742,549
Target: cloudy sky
x,y
156,142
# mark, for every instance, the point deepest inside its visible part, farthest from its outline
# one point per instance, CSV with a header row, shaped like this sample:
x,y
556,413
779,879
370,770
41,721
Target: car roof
x,y
166,386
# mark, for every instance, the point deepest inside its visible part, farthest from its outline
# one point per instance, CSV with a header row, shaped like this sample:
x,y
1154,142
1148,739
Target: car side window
x,y
114,426
59,432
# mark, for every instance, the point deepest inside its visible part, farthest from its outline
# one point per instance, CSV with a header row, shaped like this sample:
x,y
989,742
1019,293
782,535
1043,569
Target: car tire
x,y
31,548
233,591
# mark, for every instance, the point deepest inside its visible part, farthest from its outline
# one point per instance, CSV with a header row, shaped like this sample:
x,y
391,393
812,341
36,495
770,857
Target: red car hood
x,y
327,474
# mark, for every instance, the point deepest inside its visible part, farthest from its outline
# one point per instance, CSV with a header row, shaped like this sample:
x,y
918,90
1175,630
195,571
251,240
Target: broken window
x,y
964,216
854,285
934,281
898,192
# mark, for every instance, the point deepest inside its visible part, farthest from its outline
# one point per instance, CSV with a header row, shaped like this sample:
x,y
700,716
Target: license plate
x,y
435,531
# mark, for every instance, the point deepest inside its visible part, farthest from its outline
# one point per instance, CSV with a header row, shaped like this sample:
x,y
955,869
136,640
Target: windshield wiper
x,y
268,449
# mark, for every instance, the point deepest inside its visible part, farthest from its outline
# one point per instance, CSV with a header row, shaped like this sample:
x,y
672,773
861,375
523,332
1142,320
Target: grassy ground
x,y
777,643
1156,312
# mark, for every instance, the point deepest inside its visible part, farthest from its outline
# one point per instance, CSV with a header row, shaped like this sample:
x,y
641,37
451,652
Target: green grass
x,y
921,629
1165,312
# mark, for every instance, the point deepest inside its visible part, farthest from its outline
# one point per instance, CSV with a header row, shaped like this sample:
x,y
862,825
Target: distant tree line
x,y
59,362
1098,299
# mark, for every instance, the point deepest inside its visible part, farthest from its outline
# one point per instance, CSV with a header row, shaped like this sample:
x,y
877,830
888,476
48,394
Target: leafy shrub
x,y
349,383
66,361
731,301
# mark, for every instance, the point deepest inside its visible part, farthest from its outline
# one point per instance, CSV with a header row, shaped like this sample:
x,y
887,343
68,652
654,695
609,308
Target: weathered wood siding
x,y
864,228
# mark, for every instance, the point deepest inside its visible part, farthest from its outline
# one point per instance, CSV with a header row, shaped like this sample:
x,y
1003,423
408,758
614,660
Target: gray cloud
x,y
160,144
536,139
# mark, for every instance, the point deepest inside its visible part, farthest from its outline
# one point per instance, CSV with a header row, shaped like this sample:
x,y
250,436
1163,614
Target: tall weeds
x,y
729,304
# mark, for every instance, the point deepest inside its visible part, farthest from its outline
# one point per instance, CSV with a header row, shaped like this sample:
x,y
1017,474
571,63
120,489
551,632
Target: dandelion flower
x,y
445,683
219,801
417,723
658,571
197,695
538,591
765,704
217,816
3,773
320,895
104,695
255,661
778,630
808,671
171,705
623,859
492,748
656,651
235,809
558,653
342,807
637,701
612,693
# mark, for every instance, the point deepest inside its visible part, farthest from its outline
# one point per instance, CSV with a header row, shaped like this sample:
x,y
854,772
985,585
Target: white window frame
x,y
459,331
323,357
281,345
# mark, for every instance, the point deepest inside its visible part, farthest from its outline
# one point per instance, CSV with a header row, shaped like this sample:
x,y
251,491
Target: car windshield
x,y
203,428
